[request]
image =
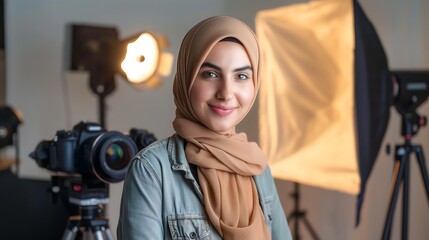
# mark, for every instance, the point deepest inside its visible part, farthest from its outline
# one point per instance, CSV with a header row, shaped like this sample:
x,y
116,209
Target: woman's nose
x,y
225,91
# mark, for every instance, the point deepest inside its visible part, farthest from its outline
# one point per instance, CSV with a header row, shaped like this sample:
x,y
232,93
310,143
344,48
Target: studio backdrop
x,y
325,95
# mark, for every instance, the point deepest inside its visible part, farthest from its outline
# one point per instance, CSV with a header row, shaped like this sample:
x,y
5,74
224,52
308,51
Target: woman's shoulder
x,y
160,152
266,174
265,181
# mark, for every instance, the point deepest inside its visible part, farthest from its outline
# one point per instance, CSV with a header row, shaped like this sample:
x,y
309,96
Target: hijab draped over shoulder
x,y
226,161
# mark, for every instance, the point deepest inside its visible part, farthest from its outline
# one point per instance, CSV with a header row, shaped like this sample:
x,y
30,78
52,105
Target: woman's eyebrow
x,y
243,68
211,65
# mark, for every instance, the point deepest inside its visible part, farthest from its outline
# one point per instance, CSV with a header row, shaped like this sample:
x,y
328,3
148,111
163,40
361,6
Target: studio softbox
x,y
325,94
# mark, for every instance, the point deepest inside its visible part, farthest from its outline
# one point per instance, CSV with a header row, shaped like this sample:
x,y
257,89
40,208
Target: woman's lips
x,y
222,110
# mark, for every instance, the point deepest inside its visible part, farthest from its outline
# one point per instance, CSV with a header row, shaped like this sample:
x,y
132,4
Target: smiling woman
x,y
206,181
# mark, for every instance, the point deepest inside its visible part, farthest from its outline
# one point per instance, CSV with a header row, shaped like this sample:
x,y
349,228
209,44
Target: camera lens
x,y
116,156
111,156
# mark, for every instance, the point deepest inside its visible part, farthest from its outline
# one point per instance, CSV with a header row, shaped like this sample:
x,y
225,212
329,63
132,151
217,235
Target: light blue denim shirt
x,y
161,199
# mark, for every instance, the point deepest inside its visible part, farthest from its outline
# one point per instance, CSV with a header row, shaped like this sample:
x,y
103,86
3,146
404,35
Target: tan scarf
x,y
226,161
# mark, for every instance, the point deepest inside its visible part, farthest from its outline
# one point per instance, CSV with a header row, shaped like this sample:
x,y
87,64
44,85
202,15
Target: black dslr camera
x,y
90,150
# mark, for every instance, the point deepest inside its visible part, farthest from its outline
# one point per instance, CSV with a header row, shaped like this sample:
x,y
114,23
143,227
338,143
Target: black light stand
x,y
102,110
401,174
298,214
93,49
413,90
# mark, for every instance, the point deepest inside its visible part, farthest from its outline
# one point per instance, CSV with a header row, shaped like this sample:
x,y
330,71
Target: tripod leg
x,y
310,229
398,172
293,217
97,233
296,231
423,169
108,233
405,204
71,230
297,211
69,234
298,214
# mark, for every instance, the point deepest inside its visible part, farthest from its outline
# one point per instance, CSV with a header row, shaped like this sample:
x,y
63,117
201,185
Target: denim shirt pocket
x,y
188,226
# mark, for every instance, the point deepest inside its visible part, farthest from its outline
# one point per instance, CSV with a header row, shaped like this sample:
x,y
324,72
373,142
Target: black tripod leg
x,y
293,217
297,211
296,230
405,194
398,173
423,169
298,214
310,229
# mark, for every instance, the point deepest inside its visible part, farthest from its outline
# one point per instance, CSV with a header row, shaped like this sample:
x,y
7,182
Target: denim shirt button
x,y
193,235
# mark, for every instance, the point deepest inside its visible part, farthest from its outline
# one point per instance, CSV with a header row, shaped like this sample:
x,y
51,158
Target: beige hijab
x,y
226,161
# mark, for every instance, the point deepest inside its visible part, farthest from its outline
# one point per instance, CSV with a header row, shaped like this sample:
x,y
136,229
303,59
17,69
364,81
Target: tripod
x,y
402,174
89,194
410,125
88,221
298,214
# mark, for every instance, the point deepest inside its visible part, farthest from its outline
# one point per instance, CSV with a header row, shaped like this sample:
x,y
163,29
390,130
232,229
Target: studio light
x,y
140,59
10,119
144,60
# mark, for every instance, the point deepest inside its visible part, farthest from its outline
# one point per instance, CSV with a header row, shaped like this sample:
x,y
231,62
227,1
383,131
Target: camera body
x,y
87,149
69,150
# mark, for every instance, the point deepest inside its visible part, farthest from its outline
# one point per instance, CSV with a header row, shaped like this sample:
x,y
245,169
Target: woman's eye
x,y
209,74
242,76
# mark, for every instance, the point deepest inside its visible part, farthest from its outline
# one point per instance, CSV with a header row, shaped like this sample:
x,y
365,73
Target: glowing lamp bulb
x,y
142,58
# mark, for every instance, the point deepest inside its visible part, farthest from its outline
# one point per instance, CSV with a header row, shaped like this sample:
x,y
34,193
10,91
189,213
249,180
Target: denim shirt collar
x,y
177,157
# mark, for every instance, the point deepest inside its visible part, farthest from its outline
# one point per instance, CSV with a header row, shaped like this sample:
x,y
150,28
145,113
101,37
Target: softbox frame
x,y
373,95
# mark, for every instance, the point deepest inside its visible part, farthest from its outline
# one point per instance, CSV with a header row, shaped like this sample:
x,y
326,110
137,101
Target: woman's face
x,y
223,90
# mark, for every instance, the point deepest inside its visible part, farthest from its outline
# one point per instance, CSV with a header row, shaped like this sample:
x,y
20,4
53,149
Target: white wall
x,y
52,98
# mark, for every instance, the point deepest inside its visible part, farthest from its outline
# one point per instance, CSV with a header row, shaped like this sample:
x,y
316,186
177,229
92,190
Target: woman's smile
x,y
222,110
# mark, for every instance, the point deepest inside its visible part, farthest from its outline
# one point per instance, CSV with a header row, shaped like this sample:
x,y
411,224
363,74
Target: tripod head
x,y
86,196
411,89
79,190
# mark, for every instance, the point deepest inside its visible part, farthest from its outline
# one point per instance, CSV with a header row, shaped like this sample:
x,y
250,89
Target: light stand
x,y
401,174
298,214
139,59
102,109
413,91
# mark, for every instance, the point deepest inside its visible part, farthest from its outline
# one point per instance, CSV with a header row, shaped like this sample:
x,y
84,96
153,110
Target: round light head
x,y
142,58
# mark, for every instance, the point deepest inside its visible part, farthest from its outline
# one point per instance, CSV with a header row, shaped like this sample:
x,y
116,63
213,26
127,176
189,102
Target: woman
x,y
206,181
